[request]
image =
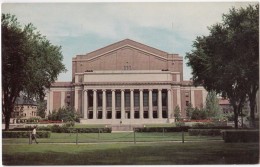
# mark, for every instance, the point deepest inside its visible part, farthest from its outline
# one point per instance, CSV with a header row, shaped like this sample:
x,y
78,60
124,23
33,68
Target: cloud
x,y
81,27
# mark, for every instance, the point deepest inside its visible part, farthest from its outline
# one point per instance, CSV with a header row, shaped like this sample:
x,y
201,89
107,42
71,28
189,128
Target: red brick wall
x,y
56,100
198,98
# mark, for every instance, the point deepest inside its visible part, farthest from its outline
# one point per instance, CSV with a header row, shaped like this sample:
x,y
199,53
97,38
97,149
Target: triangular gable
x,y
122,44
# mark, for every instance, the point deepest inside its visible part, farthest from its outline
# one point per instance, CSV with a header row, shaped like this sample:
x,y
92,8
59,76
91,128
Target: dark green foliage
x,y
189,110
212,105
204,132
24,134
227,60
199,114
42,105
30,63
64,129
245,136
177,113
67,114
161,129
209,126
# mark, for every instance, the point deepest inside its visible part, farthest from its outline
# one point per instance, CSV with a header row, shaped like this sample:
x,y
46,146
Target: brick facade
x,y
126,66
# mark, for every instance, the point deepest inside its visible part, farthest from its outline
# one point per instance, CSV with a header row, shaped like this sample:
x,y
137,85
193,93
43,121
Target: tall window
x,y
127,99
90,99
164,98
145,98
118,99
155,99
109,99
99,99
136,99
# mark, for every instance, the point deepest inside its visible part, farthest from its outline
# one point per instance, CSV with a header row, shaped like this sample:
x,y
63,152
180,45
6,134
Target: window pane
x,y
136,99
127,99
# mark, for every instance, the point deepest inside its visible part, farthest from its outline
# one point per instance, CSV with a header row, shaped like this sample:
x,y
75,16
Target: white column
x,y
132,104
169,98
150,103
122,104
113,103
94,104
85,115
141,104
76,98
62,99
159,103
104,104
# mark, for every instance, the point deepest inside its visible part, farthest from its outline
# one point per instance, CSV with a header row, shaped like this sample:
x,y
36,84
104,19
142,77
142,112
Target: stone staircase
x,y
124,128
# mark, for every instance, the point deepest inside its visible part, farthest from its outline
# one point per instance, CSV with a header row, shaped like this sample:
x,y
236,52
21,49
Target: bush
x,y
246,136
199,114
24,134
179,124
161,129
65,129
209,126
66,114
204,132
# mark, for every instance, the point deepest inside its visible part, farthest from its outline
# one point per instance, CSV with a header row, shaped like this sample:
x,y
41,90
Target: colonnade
x,y
123,111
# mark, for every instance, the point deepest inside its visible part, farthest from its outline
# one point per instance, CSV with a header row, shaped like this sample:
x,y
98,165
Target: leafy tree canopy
x,y
227,60
30,63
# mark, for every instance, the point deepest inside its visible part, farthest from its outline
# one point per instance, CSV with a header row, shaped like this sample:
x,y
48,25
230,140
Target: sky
x,y
80,28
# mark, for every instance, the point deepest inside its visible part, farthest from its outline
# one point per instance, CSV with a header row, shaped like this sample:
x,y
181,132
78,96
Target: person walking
x,y
34,135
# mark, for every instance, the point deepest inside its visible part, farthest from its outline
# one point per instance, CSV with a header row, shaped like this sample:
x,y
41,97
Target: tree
x,y
42,105
177,113
189,110
212,104
30,63
223,60
66,114
199,114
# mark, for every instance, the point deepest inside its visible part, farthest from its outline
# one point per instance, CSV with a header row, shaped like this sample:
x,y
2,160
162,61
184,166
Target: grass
x,y
114,137
208,152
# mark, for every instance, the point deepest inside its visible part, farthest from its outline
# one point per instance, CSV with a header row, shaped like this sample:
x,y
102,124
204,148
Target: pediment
x,y
122,46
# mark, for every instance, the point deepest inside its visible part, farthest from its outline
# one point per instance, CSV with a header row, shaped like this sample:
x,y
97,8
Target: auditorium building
x,y
126,83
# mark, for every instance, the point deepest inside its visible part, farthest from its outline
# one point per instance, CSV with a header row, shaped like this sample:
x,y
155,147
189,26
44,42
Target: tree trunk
x,y
252,113
235,116
7,120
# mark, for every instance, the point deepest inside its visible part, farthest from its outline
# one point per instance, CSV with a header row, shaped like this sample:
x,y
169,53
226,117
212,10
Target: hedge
x,y
213,127
24,134
161,129
204,132
63,129
235,136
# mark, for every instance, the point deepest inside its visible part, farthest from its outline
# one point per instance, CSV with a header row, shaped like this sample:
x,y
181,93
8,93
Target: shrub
x,y
209,126
24,134
65,129
179,124
204,132
66,114
246,136
198,114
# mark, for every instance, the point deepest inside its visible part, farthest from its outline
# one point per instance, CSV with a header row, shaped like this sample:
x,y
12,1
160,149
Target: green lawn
x,y
207,152
114,137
